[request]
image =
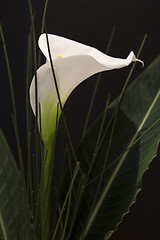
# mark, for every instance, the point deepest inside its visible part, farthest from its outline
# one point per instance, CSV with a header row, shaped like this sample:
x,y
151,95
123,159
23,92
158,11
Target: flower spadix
x,y
73,63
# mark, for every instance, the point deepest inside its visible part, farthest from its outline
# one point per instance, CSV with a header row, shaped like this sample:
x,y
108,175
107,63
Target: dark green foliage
x,y
14,213
129,140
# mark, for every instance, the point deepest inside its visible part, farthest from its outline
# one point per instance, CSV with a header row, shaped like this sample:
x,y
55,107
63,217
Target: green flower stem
x,y
48,156
48,153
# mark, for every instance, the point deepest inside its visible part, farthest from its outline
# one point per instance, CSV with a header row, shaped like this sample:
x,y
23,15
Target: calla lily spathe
x,y
73,63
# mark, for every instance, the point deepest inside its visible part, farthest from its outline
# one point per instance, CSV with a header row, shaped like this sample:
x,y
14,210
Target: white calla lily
x,y
73,63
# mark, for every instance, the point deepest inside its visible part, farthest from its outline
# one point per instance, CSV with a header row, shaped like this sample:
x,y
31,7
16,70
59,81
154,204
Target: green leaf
x,y
14,218
127,153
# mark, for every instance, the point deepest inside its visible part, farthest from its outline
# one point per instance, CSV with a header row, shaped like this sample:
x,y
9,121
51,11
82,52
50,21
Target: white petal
x,y
66,48
59,45
47,99
70,72
44,85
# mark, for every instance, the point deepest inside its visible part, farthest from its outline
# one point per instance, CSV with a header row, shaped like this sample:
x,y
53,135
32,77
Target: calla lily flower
x,y
73,63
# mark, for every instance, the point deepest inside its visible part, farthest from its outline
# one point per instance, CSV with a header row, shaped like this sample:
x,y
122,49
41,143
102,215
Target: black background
x,y
91,23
